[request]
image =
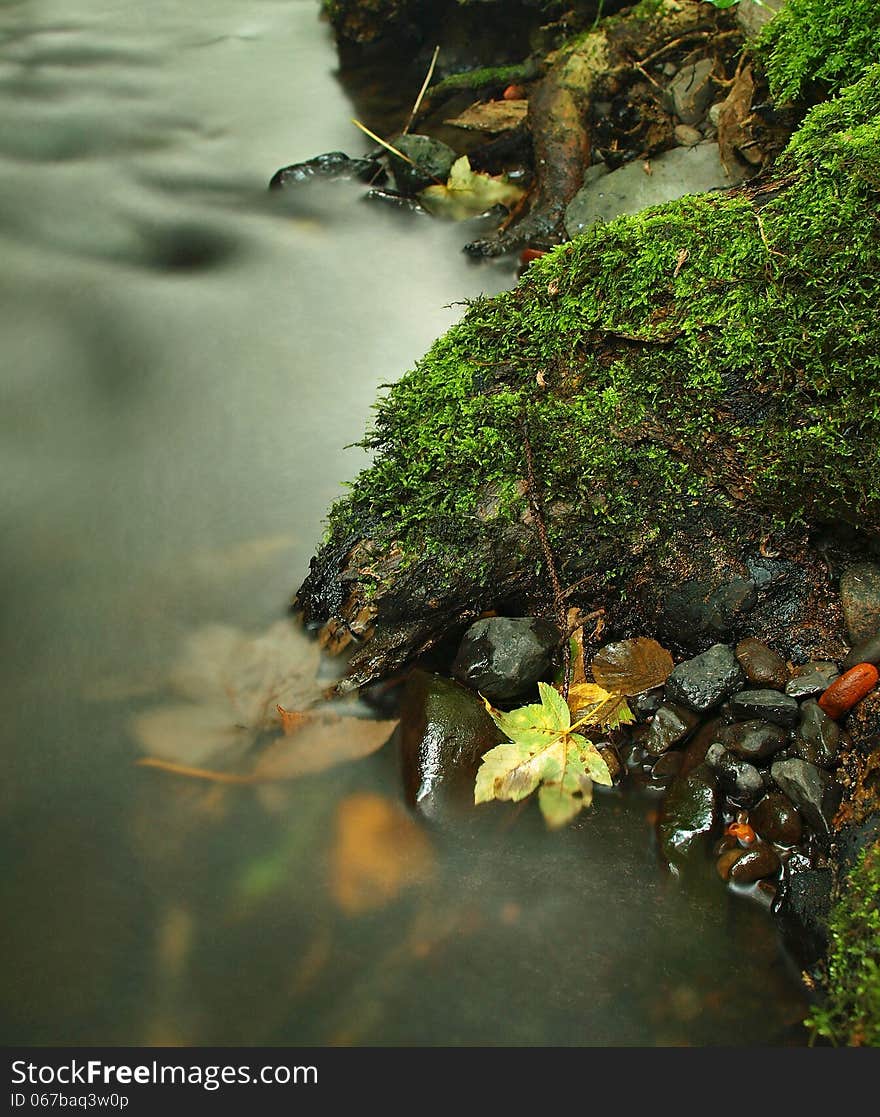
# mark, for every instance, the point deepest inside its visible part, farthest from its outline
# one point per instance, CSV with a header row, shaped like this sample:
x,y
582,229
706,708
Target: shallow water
x,y
184,359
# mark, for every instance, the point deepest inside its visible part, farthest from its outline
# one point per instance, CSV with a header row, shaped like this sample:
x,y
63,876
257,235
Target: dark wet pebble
x,y
706,680
504,657
667,766
612,759
761,665
753,740
866,651
397,201
811,679
670,726
860,594
647,704
433,160
815,794
740,780
689,814
706,736
818,735
444,731
766,705
802,907
744,866
334,164
776,819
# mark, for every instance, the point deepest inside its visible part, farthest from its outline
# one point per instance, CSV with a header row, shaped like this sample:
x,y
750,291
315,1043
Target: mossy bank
x,y
694,380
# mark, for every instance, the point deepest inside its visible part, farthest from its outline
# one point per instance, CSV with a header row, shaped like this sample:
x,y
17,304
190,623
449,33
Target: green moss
x,y
826,41
750,374
850,1012
486,76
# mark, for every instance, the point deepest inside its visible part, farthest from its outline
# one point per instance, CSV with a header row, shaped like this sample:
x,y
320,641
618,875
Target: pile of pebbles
x,y
747,745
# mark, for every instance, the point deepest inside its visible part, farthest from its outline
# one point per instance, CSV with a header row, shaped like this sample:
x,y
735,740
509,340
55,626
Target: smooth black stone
x,y
504,657
433,161
753,740
444,732
815,794
766,705
334,164
706,680
695,613
667,766
670,726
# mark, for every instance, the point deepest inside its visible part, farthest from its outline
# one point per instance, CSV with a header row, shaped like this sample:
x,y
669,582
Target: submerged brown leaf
x,y
378,851
632,666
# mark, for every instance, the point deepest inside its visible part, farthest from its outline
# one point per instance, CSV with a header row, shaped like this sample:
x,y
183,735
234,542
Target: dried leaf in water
x,y
593,705
544,751
191,734
378,850
467,193
492,116
322,741
632,666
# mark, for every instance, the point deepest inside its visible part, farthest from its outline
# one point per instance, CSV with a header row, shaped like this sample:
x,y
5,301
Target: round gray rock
x,y
503,657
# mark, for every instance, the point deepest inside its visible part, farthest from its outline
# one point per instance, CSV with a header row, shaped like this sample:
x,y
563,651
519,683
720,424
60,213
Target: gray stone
x,y
503,657
753,740
706,680
687,135
866,651
690,92
753,15
689,815
683,170
860,593
766,705
433,161
818,735
670,726
815,794
811,679
444,731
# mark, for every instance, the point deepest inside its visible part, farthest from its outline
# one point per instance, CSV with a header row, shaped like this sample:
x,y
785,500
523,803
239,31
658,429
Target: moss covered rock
x,y
690,379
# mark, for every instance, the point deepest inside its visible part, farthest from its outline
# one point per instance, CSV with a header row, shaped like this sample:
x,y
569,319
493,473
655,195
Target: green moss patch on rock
x,y
850,1011
704,362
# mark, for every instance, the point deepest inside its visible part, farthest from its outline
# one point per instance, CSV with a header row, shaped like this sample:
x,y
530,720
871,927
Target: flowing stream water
x,y
184,358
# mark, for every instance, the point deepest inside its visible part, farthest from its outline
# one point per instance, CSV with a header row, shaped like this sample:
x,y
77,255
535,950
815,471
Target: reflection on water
x,y
184,356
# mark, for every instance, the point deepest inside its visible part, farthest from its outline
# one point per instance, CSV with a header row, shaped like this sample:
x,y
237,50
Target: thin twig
x,y
541,528
422,91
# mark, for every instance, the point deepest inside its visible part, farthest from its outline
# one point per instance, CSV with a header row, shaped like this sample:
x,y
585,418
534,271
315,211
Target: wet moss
x,y
819,41
720,351
486,76
849,1015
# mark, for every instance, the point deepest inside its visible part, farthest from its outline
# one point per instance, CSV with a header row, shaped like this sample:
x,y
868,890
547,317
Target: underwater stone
x,y
688,815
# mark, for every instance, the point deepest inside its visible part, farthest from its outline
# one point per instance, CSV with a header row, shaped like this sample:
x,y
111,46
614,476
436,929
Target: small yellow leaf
x,y
467,193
